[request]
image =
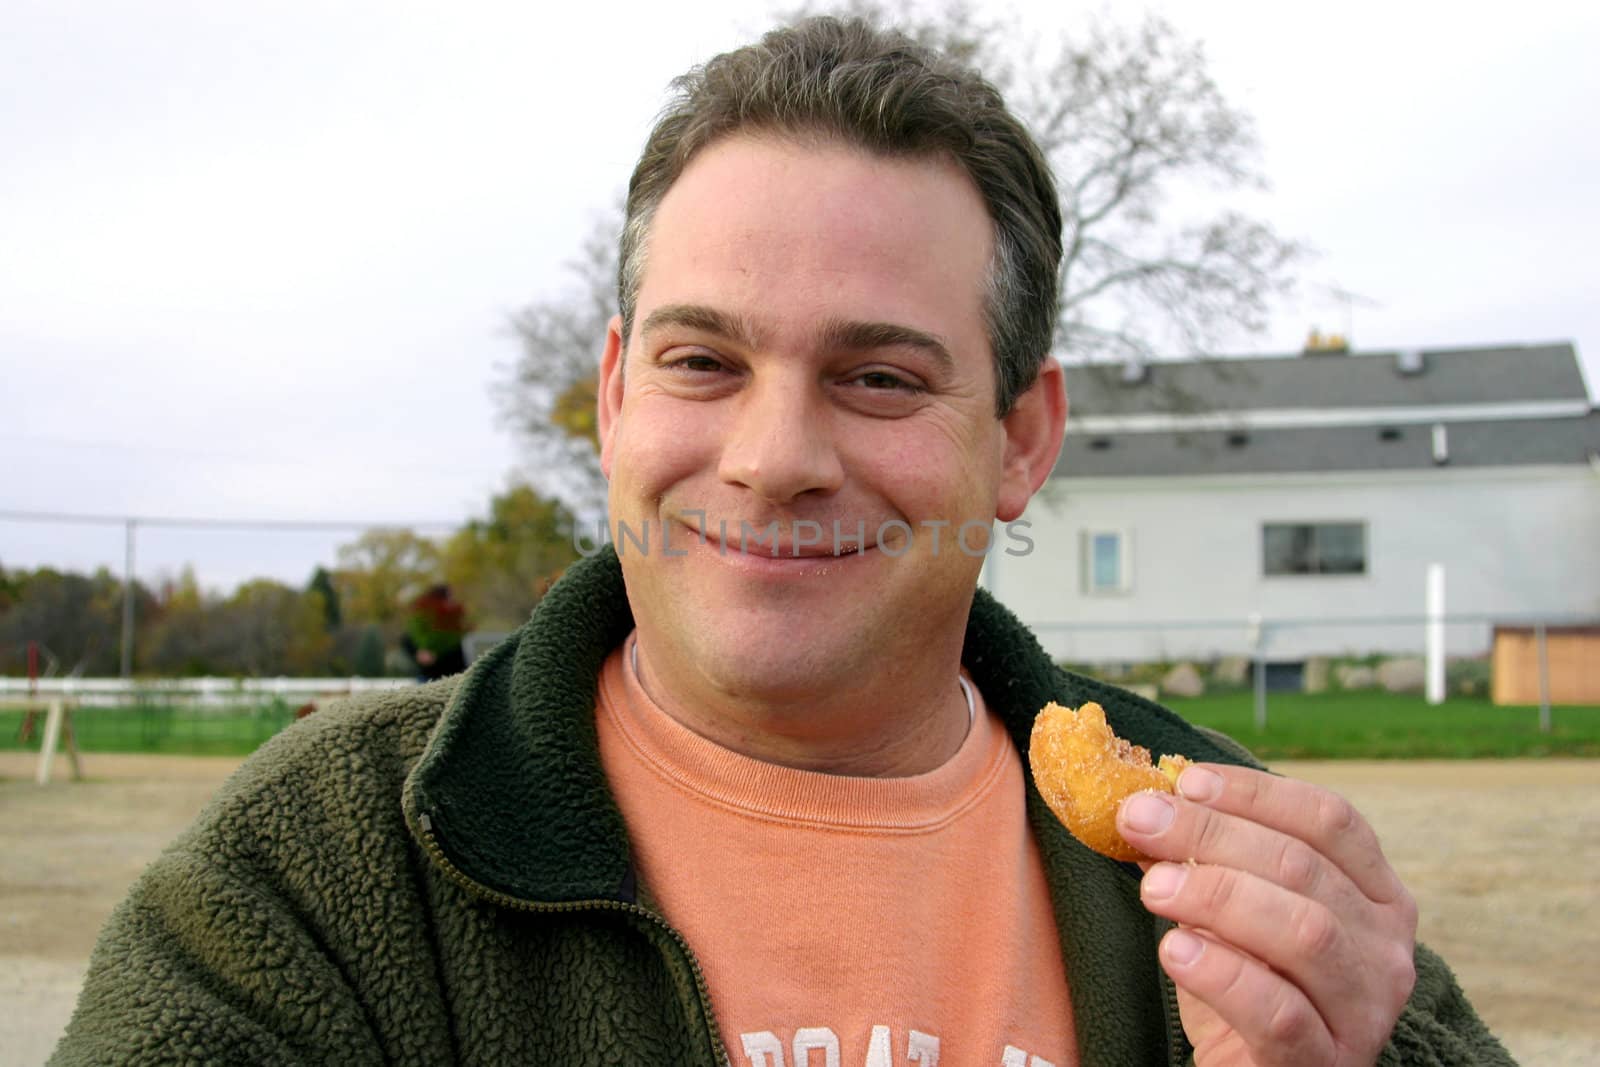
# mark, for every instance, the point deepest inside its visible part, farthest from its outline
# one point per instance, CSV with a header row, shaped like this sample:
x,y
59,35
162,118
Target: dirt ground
x,y
1504,858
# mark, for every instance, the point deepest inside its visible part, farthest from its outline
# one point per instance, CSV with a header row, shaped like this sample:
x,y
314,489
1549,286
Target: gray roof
x,y
1489,443
1517,373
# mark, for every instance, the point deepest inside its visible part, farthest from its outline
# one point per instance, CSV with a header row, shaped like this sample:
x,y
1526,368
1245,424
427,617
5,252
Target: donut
x,y
1084,771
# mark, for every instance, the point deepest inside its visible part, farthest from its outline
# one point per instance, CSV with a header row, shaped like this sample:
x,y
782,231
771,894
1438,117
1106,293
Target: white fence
x,y
202,692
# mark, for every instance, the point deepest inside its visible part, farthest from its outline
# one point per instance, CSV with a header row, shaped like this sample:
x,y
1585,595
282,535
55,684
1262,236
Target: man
x,y
747,788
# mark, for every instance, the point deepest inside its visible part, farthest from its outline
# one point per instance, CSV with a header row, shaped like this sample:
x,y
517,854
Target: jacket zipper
x,y
435,853
1177,1043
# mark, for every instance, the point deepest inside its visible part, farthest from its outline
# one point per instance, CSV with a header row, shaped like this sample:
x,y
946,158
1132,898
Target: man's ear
x,y
609,391
1033,430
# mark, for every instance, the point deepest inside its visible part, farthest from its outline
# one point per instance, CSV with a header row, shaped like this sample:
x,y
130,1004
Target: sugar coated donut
x,y
1084,771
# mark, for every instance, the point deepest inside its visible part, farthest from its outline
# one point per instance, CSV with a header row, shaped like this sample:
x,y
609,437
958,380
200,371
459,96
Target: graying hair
x,y
878,90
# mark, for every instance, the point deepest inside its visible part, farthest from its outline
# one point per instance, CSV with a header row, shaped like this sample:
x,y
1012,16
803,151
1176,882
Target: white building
x,y
1312,492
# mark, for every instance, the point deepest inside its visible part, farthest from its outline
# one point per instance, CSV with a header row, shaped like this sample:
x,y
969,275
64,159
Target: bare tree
x,y
1147,153
1127,119
548,395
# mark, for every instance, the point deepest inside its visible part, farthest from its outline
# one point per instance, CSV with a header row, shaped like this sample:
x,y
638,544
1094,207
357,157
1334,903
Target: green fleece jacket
x,y
441,876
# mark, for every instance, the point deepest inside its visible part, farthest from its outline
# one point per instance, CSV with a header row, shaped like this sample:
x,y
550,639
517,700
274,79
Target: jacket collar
x,y
512,785
511,779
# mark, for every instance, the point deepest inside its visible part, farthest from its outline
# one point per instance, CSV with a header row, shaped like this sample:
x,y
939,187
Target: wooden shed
x,y
1573,656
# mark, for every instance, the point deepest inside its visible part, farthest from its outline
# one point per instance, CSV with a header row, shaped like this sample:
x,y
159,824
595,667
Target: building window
x,y
1107,558
1313,548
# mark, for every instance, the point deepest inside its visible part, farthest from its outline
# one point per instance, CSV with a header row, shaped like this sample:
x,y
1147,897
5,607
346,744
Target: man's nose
x,y
780,442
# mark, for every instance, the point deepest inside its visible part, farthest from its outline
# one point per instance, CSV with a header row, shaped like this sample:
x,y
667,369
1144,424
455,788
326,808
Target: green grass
x,y
1378,725
1351,725
156,728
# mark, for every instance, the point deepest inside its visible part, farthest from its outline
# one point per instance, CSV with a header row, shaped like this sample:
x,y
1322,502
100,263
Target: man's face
x,y
809,348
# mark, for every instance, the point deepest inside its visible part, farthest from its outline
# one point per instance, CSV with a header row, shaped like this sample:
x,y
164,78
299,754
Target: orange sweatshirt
x,y
839,920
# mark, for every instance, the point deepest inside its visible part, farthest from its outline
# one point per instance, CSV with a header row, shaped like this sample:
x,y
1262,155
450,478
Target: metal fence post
x,y
127,603
1261,694
1544,678
1257,632
1433,634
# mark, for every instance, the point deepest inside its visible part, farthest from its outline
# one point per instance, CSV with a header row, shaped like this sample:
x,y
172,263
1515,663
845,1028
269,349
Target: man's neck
x,y
904,721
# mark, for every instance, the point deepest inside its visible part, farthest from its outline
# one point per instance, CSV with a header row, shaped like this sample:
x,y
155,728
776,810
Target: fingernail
x,y
1197,783
1182,947
1147,813
1164,880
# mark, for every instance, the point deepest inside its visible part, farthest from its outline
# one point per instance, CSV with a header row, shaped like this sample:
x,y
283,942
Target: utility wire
x,y
213,456
207,523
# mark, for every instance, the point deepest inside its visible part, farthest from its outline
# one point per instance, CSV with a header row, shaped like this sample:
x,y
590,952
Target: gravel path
x,y
1502,856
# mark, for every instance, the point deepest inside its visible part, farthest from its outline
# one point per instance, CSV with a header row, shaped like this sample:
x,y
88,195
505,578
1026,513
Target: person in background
x,y
433,634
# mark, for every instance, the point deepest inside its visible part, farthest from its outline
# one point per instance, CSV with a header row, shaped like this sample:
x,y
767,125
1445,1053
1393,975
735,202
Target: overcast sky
x,y
257,259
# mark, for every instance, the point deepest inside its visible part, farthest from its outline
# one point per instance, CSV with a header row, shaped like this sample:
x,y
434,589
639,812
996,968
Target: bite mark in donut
x,y
1084,772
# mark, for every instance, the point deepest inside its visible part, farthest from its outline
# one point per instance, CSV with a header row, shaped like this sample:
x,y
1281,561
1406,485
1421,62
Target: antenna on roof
x,y
1347,301
1409,361
1134,370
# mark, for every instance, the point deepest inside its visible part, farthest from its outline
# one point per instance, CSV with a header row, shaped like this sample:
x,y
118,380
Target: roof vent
x,y
1134,371
1409,361
1389,433
1099,444
1238,439
1441,444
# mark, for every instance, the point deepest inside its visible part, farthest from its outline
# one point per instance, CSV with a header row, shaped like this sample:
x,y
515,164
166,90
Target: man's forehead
x,y
836,152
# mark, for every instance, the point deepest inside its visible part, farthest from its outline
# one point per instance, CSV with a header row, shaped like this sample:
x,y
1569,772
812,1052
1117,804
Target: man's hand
x,y
1296,938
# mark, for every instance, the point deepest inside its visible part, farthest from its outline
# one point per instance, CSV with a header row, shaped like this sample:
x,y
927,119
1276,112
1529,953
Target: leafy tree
x,y
78,617
271,628
1131,121
321,585
380,572
10,590
369,660
182,641
344,621
182,594
499,567
265,628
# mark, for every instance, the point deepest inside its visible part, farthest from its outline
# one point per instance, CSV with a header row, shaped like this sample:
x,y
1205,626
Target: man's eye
x,y
883,380
697,364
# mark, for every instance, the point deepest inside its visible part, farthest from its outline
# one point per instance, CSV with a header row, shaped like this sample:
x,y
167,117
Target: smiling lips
x,y
783,546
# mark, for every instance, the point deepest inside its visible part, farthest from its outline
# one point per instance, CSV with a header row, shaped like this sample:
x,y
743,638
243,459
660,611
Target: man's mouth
x,y
785,550
780,547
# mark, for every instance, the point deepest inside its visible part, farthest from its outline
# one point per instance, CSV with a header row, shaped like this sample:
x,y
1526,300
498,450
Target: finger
x,y
1320,817
1352,978
1169,828
1275,1020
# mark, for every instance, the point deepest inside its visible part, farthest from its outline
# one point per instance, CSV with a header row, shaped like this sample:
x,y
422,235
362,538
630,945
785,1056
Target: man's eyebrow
x,y
704,319
849,335
853,336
